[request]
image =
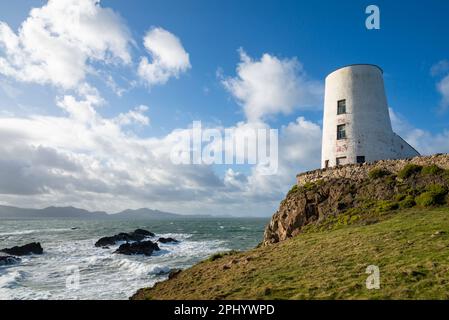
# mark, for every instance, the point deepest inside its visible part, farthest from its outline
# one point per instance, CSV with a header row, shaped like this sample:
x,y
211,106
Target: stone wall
x,y
360,171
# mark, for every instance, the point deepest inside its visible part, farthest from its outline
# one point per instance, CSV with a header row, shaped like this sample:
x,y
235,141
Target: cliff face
x,y
363,194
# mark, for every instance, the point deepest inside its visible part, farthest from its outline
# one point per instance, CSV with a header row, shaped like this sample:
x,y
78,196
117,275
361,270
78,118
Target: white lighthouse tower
x,y
356,123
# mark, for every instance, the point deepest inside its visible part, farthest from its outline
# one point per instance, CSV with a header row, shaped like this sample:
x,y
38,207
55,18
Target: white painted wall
x,y
368,125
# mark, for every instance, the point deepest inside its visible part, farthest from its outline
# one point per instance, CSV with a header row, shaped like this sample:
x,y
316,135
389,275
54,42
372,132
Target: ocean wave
x,y
158,270
135,267
11,279
22,232
103,274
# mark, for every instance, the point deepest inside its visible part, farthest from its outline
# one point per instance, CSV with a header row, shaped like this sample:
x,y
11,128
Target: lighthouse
x,y
356,121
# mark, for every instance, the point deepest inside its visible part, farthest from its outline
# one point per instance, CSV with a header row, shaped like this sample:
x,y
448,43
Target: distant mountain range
x,y
8,212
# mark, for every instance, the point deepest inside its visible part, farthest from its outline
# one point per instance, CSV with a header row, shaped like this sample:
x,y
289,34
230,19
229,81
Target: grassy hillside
x,y
411,248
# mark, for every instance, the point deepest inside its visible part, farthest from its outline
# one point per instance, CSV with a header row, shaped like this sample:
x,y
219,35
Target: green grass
x,y
411,248
386,205
293,190
220,255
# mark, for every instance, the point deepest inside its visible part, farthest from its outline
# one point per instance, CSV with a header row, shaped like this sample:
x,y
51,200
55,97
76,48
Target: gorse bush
x,y
377,173
407,202
437,189
409,170
399,197
426,199
434,195
309,186
432,169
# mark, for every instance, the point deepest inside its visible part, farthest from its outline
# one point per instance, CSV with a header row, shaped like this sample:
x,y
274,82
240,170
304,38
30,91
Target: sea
x,y
72,268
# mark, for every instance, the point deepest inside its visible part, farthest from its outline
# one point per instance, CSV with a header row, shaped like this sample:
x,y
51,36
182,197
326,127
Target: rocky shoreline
x,y
9,256
136,243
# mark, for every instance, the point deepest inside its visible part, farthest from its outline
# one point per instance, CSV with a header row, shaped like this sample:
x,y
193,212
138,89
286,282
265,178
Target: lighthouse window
x,y
341,161
360,159
341,107
341,132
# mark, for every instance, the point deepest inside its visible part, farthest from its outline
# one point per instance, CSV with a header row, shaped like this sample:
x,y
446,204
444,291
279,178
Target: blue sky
x,y
318,36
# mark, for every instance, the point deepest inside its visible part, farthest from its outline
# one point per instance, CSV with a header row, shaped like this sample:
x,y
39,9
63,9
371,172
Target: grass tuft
x,y
409,170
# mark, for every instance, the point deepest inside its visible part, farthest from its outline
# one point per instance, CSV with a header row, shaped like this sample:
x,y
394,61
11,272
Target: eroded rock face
x,y
318,199
305,207
30,248
144,247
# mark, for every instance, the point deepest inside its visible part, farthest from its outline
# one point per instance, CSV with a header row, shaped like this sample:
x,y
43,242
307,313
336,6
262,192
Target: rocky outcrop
x,y
137,235
31,248
174,273
328,194
8,260
144,247
144,233
167,240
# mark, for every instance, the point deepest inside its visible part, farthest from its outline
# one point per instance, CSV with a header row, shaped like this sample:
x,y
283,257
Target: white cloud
x,y
92,162
134,116
86,160
89,161
9,89
57,42
424,141
439,68
443,89
168,57
298,152
271,85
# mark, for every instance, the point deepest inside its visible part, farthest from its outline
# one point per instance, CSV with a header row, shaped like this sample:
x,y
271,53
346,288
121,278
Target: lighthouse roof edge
x,y
357,64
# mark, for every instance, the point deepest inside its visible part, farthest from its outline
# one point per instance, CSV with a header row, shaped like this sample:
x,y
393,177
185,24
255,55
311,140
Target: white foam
x,y
11,279
158,270
103,274
23,232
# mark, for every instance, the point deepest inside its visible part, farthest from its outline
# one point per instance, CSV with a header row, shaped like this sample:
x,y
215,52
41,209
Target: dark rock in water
x,y
137,235
143,232
31,248
109,241
174,273
167,240
7,260
144,247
